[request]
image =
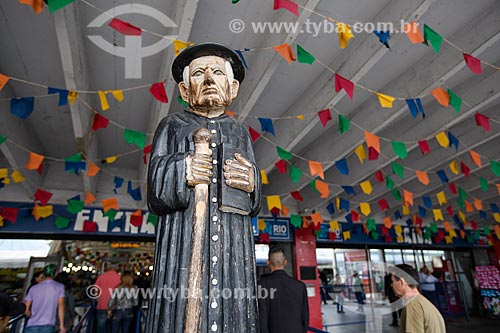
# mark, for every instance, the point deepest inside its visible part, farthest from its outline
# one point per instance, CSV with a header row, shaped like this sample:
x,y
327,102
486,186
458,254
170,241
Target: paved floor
x,y
377,319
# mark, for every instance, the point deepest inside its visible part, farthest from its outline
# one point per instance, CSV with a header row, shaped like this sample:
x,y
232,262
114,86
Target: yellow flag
x,y
366,186
117,94
496,216
462,216
17,177
263,176
454,167
72,96
406,210
438,215
104,100
448,239
179,45
365,209
441,198
452,233
347,235
400,239
4,173
273,201
361,153
111,159
300,117
398,229
261,224
334,225
6,181
42,211
443,140
1,221
385,100
345,34
337,203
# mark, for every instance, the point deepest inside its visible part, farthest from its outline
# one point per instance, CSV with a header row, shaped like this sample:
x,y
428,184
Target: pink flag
x,y
289,5
125,28
343,83
474,64
325,116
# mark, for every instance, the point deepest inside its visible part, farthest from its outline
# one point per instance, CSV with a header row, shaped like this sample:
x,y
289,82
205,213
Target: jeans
x,y
122,318
102,320
39,329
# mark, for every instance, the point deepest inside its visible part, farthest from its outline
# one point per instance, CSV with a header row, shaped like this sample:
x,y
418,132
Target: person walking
x,y
338,289
357,287
121,304
286,308
106,283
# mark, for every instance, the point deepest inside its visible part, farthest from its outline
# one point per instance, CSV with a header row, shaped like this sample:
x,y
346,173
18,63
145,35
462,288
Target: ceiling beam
x,y
72,59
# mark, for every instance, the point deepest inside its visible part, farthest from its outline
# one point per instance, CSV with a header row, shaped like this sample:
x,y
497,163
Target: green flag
x,y
61,222
312,183
283,154
487,231
74,206
433,37
2,139
296,220
426,233
111,214
389,183
295,174
182,102
303,56
483,183
460,202
396,194
455,101
399,149
434,227
153,219
398,169
58,4
138,138
344,124
461,193
74,158
495,167
374,235
370,224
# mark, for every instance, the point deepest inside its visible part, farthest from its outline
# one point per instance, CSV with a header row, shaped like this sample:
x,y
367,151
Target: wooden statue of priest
x,y
221,257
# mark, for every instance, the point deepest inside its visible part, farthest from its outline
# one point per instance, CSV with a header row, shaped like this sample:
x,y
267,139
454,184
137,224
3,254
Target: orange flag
x,y
468,207
441,96
34,161
36,4
475,157
423,177
284,210
322,187
372,141
408,197
229,113
3,80
92,169
387,222
286,52
413,33
110,203
316,218
89,198
478,204
498,188
316,168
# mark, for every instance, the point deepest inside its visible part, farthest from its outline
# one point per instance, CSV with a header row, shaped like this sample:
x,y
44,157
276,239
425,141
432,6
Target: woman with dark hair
x,y
69,300
121,304
37,278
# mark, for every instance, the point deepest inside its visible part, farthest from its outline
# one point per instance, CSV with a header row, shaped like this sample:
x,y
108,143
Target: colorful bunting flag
x,y
138,138
286,52
453,140
281,166
273,201
158,91
433,37
72,96
473,63
399,149
343,83
325,116
263,176
454,167
22,107
180,45
316,168
372,141
397,169
117,94
365,209
34,161
99,122
475,157
283,154
58,4
253,134
441,197
63,95
17,177
366,186
345,34
110,203
438,215
266,125
495,167
74,206
296,195
407,198
295,174
303,56
42,196
62,222
442,175
3,81
422,177
442,139
89,198
455,101
40,212
349,190
125,28
344,124
289,5
360,153
36,4
389,183
441,96
92,169
483,121
385,100
413,33
342,166
415,106
383,204
383,37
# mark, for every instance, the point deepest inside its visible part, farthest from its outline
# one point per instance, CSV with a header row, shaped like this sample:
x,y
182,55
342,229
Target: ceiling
x,y
56,50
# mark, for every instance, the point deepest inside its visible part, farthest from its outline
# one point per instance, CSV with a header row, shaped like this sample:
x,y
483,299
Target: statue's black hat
x,y
207,49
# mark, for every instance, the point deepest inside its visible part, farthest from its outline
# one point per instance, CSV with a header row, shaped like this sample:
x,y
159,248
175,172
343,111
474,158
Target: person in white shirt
x,y
428,284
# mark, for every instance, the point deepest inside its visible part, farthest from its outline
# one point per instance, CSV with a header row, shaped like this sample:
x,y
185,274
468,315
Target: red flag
x,y
424,147
147,149
89,226
296,195
380,176
449,209
325,116
354,216
264,238
253,134
99,122
136,218
465,169
125,28
281,166
417,220
474,64
40,169
343,83
453,188
332,235
289,5
483,121
42,196
275,211
158,91
473,225
9,214
372,154
383,204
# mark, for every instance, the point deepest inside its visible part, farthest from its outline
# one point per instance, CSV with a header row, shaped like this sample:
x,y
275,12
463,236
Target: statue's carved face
x,y
209,92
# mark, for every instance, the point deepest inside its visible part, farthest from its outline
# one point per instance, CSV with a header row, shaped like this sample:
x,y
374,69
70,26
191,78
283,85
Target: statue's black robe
x,y
229,254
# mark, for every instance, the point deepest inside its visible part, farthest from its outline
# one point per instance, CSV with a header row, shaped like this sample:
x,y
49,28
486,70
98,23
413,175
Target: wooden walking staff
x,y
201,138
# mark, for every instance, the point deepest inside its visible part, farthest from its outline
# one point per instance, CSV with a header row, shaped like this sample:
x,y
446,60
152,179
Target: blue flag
x,y
22,107
266,125
63,95
342,166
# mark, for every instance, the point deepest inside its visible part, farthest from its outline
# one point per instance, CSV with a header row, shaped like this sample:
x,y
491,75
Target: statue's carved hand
x,y
198,169
239,173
